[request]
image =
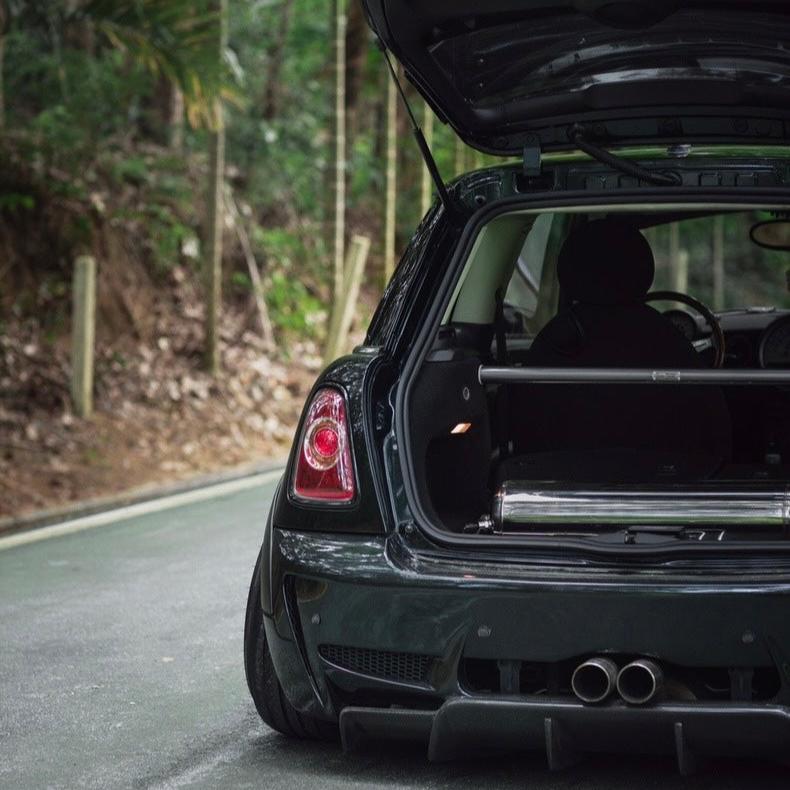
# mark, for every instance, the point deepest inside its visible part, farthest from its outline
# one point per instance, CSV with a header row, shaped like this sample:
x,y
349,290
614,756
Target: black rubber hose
x,y
623,165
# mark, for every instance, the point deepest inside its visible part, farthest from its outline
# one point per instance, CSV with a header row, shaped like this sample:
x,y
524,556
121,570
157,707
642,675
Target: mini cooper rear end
x,y
547,504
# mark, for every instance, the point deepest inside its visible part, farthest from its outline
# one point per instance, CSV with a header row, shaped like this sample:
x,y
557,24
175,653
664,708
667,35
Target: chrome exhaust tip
x,y
640,682
594,680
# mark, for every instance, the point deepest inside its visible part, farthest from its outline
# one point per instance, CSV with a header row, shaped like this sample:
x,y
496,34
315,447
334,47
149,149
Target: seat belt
x,y
499,328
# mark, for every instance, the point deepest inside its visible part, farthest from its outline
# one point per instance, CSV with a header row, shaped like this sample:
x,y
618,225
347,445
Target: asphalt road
x,y
121,666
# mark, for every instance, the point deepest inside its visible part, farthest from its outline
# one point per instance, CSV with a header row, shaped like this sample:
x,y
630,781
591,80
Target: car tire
x,y
263,683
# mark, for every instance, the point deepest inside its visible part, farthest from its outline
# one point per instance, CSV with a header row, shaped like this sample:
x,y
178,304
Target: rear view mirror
x,y
772,234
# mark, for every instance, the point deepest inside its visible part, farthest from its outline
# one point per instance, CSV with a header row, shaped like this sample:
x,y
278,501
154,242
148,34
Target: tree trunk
x,y
2,80
215,216
273,90
426,187
356,53
391,177
718,263
176,119
5,24
460,156
252,268
78,33
167,110
339,22
678,261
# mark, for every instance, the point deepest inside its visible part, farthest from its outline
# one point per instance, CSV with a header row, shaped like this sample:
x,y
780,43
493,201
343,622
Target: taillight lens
x,y
324,472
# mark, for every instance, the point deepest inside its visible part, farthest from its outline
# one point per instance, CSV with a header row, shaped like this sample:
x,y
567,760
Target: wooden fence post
x,y
344,309
83,330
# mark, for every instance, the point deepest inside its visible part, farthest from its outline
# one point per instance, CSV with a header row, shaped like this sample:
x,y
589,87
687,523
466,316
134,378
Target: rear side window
x,y
714,259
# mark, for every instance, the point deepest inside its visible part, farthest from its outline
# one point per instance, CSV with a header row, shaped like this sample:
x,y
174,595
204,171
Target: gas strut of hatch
x,y
623,165
427,156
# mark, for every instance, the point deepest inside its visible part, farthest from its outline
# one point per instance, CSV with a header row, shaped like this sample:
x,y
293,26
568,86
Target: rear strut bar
x,y
489,374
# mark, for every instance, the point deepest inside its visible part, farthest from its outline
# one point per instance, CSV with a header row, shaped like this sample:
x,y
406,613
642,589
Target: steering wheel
x,y
716,340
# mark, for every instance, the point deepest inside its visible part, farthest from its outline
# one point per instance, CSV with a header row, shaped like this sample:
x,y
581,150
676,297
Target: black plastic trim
x,y
565,729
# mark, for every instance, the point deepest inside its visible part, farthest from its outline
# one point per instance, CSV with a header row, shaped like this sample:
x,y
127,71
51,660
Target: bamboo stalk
x,y
252,268
718,263
678,260
337,338
339,22
460,156
215,216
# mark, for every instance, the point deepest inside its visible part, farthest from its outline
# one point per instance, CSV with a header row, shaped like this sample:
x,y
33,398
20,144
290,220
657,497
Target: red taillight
x,y
324,472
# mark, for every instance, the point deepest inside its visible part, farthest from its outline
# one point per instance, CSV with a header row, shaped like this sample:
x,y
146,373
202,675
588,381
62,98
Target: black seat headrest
x,y
606,261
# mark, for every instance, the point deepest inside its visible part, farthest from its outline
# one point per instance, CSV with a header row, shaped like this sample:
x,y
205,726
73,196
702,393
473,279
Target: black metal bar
x,y
425,151
536,375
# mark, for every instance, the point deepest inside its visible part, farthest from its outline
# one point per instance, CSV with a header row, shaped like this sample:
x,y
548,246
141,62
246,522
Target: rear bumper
x,y
394,609
566,729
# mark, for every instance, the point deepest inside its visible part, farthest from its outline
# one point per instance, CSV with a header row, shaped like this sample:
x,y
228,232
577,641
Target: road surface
x,y
121,667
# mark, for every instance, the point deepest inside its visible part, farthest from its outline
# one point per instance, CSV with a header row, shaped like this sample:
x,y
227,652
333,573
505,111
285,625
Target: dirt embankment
x,y
158,415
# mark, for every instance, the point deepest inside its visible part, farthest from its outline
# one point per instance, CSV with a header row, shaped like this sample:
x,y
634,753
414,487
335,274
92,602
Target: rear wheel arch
x,y
262,681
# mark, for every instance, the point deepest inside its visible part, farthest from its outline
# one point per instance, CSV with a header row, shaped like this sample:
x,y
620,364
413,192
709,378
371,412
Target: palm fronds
x,y
178,39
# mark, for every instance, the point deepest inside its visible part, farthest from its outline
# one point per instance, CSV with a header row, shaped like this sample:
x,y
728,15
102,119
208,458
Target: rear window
x,y
714,260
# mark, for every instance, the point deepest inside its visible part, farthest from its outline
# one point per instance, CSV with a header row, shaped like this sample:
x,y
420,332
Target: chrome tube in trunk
x,y
534,505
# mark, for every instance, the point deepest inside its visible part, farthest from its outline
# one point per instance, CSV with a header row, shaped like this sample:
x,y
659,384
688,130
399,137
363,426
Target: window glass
x,y
531,297
714,259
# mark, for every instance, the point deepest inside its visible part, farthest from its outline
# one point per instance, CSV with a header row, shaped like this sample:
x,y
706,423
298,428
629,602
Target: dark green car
x,y
546,505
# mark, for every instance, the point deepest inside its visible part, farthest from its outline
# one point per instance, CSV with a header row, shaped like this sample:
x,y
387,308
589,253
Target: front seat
x,y
609,432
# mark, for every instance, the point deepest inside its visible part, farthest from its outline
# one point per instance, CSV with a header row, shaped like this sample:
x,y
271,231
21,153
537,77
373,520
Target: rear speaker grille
x,y
402,667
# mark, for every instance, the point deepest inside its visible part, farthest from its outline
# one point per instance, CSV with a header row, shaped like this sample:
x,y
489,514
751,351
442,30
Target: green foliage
x,y
291,305
132,170
68,100
752,276
163,232
89,107
302,252
175,39
12,202
284,159
60,136
241,282
167,233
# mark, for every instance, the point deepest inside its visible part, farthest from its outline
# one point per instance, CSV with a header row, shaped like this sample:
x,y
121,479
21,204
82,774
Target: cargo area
x,y
620,375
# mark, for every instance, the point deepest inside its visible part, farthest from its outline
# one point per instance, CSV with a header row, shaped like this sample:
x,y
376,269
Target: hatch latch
x,y
532,155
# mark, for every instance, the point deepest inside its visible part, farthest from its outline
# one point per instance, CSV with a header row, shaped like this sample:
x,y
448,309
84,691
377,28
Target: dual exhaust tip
x,y
638,683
